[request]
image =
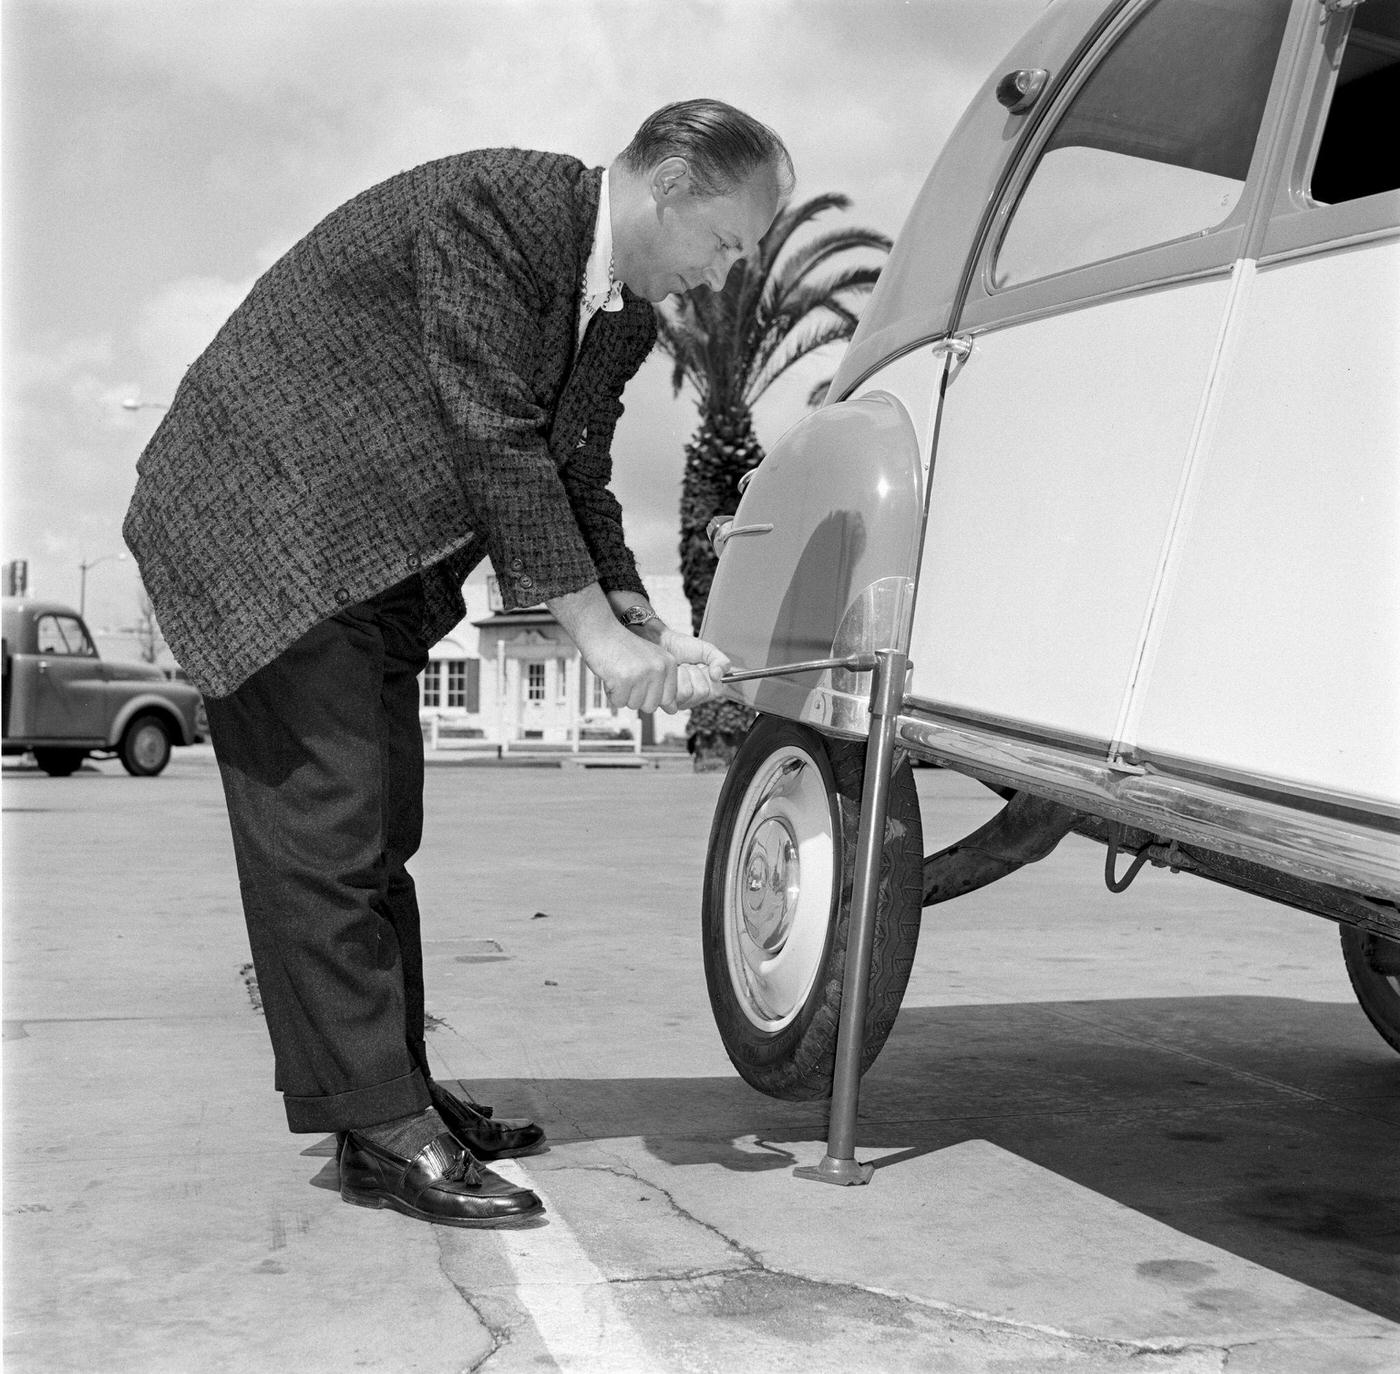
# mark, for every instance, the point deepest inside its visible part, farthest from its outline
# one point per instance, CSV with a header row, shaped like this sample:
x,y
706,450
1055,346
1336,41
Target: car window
x,y
1359,154
1156,143
64,634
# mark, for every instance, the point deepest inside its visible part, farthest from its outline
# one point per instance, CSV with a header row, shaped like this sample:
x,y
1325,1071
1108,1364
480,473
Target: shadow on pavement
x,y
1264,1126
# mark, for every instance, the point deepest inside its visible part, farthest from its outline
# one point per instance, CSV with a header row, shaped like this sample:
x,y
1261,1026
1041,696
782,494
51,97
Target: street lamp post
x,y
83,572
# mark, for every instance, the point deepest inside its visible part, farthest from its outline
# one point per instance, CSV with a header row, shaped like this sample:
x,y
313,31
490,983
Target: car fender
x,y
819,559
178,713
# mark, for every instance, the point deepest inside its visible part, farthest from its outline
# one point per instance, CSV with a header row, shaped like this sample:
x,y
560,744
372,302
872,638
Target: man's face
x,y
685,240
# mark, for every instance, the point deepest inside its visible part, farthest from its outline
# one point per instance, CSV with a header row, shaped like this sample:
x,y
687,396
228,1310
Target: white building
x,y
514,678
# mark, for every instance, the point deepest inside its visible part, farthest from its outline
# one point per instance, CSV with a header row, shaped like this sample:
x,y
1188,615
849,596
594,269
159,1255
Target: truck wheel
x,y
1373,965
777,904
60,763
145,746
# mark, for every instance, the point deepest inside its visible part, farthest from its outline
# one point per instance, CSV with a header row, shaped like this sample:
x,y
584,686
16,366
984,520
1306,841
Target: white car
x,y
1114,461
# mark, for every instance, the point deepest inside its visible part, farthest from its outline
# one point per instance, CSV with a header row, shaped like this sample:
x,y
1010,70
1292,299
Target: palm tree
x,y
786,302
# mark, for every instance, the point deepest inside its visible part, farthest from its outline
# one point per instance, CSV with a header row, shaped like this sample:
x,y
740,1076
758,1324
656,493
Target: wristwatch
x,y
635,616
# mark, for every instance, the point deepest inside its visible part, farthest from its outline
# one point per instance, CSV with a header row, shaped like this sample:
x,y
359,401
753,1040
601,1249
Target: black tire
x,y
789,784
145,745
60,763
1373,965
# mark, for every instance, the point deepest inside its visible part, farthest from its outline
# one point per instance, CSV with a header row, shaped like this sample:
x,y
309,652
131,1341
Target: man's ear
x,y
670,180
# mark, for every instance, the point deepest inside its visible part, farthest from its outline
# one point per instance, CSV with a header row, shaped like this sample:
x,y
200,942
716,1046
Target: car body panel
x,y
815,530
1293,532
1031,503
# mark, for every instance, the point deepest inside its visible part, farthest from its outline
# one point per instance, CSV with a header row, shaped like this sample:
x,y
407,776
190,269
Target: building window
x,y
453,684
534,682
432,688
599,694
457,685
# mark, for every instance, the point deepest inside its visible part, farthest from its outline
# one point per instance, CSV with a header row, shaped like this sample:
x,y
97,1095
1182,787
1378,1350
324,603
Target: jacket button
x,y
516,564
341,595
414,562
527,582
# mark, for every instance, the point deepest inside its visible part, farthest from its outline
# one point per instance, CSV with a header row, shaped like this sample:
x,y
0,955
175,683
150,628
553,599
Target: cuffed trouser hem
x,y
363,1107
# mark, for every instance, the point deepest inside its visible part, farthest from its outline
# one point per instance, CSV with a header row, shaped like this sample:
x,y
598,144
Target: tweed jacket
x,y
401,393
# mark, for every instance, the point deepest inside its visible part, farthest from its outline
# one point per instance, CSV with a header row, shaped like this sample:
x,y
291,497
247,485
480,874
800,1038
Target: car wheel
x,y
60,763
777,905
145,746
1373,965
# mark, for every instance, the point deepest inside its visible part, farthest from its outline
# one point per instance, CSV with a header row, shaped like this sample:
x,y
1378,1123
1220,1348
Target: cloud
x,y
70,453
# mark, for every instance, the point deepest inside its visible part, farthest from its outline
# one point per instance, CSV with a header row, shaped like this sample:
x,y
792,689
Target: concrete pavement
x,y
1150,1132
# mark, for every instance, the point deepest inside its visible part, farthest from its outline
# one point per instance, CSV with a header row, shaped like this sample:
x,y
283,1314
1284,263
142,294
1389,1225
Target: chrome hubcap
x,y
778,889
772,883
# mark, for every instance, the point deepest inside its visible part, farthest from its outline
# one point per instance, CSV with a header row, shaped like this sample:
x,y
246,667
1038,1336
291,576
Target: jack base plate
x,y
845,1172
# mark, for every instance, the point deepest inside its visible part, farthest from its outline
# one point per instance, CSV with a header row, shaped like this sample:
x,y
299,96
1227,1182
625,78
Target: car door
x,y
1276,654
1094,314
69,700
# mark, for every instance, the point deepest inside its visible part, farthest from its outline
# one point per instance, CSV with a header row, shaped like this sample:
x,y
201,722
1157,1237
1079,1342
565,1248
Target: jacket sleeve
x,y
587,477
481,309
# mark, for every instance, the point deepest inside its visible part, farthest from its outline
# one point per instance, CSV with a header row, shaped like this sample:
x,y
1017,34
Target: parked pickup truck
x,y
63,702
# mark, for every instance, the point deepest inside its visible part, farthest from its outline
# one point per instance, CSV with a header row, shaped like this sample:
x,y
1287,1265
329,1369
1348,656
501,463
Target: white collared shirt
x,y
600,289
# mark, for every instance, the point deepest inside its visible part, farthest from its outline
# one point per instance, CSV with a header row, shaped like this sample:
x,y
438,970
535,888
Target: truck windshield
x,y
64,634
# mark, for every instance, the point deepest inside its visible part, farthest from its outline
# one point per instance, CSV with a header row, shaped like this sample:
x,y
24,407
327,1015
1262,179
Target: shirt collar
x,y
601,289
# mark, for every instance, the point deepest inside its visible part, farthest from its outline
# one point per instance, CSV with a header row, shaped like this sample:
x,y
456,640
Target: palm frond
x,y
729,346
792,300
794,217
802,260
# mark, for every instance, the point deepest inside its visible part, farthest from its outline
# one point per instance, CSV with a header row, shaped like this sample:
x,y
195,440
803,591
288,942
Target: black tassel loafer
x,y
486,1138
442,1184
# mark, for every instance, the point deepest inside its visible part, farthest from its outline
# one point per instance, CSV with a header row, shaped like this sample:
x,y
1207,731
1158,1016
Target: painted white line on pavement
x,y
567,1295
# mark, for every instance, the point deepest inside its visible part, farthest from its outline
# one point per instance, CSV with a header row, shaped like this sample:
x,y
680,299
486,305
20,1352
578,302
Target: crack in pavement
x,y
1334,1343
968,1318
498,1334
625,1170
752,1285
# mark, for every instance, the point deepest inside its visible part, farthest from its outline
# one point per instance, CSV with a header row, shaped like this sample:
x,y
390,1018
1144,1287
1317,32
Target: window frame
x,y
87,648
455,688
1211,253
1296,225
431,690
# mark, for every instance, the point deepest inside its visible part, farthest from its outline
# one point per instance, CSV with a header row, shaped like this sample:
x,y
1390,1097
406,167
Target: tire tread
x,y
798,1063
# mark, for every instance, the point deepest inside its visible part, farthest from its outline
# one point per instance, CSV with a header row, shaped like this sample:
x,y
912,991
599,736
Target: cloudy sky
x,y
160,154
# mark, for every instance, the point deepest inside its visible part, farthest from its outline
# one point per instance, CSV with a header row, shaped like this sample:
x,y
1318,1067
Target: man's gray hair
x,y
723,146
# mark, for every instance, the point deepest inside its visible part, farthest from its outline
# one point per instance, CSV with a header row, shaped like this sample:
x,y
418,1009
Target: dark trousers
x,y
321,756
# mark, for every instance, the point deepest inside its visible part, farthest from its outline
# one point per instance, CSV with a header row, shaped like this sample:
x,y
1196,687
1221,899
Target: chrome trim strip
x,y
1370,812
928,708
1320,848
